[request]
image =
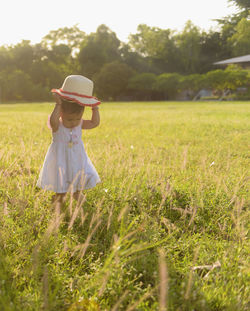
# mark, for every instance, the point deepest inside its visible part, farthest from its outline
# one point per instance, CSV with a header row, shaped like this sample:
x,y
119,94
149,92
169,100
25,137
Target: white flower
x,y
132,147
106,190
212,164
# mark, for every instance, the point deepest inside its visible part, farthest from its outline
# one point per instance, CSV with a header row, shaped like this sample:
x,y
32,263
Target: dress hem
x,y
77,189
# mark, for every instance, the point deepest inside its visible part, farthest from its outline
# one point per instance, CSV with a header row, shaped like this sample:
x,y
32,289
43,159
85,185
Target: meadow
x,y
166,229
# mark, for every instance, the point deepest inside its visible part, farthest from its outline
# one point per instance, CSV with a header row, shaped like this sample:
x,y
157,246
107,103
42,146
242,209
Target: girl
x,y
67,167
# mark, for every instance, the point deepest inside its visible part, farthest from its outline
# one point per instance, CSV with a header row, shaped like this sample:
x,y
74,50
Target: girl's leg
x,y
58,201
58,197
78,196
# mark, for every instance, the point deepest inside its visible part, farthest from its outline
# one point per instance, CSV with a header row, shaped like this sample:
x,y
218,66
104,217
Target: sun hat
x,y
78,89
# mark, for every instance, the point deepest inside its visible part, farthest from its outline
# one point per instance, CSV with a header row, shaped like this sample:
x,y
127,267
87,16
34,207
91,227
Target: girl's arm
x,y
95,120
54,117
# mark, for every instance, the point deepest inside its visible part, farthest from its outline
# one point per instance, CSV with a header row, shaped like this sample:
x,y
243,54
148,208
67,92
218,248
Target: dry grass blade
x,y
71,203
97,214
76,211
35,258
55,221
73,218
5,209
85,245
163,272
110,215
122,212
184,163
115,307
169,225
45,282
145,296
194,211
189,285
104,282
83,216
239,218
217,264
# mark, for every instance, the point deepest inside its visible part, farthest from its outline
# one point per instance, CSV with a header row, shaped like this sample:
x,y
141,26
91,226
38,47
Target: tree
x,y
158,46
22,55
59,54
97,50
112,81
5,58
229,23
189,45
70,36
213,48
243,4
134,59
240,40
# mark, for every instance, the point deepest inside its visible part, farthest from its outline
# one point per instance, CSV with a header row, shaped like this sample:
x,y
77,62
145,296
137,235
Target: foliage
x,y
193,82
98,49
155,64
70,36
158,45
135,60
143,86
169,84
244,4
240,40
231,78
189,45
112,81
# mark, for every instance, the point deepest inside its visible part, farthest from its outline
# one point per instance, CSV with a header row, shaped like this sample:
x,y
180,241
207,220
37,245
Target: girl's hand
x,y
57,99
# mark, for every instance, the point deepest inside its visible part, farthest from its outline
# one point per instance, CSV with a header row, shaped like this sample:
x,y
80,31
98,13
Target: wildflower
x,y
132,147
106,190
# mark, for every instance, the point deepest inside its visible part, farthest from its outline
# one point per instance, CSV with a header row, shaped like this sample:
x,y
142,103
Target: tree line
x,y
155,64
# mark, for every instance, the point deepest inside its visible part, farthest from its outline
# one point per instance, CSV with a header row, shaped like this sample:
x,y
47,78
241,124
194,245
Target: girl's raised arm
x,y
54,117
95,120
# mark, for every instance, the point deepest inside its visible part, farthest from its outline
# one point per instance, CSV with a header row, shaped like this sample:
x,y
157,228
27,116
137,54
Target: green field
x,y
165,230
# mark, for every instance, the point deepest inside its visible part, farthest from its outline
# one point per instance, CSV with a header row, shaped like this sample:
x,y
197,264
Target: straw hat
x,y
78,89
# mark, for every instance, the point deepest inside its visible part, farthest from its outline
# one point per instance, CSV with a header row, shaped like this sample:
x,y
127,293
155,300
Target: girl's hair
x,y
71,107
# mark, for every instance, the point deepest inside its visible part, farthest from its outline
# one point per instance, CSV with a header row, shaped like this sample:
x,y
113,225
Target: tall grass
x,y
165,230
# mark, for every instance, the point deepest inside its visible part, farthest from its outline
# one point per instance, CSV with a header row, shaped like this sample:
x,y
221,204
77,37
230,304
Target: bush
x,y
169,84
142,85
18,85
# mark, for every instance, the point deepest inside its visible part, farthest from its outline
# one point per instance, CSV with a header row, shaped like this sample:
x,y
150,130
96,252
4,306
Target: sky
x,y
33,19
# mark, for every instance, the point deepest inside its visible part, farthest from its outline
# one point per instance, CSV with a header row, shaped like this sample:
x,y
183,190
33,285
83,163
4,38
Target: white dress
x,y
67,167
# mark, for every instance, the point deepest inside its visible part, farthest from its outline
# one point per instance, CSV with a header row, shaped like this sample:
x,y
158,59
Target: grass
x,y
165,230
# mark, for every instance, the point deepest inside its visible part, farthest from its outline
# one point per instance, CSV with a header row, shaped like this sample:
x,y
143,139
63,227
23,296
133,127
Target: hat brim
x,y
80,99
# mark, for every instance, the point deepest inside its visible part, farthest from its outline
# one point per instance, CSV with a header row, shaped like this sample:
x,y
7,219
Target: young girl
x,y
67,167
